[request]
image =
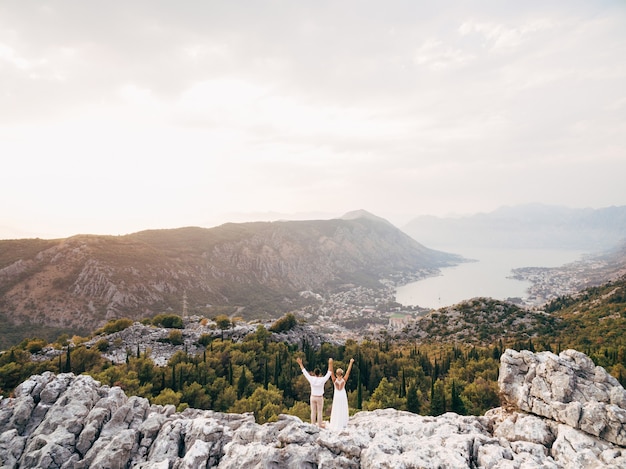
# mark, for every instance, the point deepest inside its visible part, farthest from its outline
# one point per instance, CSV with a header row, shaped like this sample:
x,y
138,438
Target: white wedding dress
x,y
339,411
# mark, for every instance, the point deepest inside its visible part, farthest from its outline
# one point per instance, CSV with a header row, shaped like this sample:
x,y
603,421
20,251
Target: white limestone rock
x,y
522,427
574,448
561,412
11,448
568,389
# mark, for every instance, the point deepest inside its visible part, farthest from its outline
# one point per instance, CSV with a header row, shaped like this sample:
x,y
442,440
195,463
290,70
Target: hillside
x,y
482,321
526,226
210,364
256,270
592,320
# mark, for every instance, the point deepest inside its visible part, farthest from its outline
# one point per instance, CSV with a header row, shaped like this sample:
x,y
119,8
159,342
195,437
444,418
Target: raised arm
x,y
347,375
303,369
332,371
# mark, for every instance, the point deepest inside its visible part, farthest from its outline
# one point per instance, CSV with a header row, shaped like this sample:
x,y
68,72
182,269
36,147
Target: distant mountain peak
x,y
356,214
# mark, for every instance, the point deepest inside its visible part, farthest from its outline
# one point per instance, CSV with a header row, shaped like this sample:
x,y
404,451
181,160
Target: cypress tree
x,y
310,358
402,392
432,392
437,399
365,368
425,364
359,385
412,400
456,403
443,400
68,361
242,384
276,369
174,377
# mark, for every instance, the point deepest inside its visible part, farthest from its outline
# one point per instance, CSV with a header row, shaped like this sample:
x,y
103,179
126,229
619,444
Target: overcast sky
x,y
120,116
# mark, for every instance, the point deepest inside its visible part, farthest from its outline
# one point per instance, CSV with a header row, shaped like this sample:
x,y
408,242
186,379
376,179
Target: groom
x,y
317,390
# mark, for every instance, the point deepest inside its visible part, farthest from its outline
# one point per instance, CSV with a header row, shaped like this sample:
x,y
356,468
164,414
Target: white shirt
x,y
317,382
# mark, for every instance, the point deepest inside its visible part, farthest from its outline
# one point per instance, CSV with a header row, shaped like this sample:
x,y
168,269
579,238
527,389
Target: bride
x,y
339,411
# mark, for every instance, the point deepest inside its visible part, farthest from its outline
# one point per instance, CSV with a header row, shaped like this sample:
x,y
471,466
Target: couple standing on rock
x,y
339,411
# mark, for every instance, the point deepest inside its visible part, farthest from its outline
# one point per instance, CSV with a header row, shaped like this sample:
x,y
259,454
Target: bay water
x,y
488,276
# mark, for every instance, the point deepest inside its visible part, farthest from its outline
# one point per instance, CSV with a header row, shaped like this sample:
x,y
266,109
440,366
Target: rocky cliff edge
x,y
559,411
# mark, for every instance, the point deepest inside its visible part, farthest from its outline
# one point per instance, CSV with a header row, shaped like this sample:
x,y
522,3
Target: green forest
x,y
260,375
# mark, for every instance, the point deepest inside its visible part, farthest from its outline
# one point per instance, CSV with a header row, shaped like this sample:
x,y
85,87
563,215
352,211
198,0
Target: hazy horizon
x,y
151,114
11,233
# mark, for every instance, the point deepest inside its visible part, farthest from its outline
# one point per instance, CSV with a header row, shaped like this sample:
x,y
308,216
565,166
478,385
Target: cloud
x,y
437,56
295,107
501,37
10,56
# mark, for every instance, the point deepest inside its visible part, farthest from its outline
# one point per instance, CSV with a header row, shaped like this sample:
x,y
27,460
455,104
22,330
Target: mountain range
x,y
259,270
255,270
533,226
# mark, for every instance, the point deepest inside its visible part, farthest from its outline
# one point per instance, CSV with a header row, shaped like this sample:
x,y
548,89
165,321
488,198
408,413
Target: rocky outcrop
x,y
568,389
67,421
152,341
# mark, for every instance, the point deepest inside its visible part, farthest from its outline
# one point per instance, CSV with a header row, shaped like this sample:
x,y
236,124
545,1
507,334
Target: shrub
x,y
35,345
284,324
117,325
205,339
168,397
223,322
175,337
169,321
102,345
62,340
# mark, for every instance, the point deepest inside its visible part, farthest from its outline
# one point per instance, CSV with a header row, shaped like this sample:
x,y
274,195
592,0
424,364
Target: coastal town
x,y
357,312
551,283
